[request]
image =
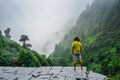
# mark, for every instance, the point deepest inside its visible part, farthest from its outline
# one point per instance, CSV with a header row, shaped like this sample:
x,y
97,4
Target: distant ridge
x,y
99,30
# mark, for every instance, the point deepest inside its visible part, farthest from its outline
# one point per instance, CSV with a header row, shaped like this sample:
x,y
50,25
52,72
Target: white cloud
x,y
39,19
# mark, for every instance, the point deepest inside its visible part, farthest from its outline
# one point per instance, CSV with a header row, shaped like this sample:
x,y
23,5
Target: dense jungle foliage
x,y
13,54
99,30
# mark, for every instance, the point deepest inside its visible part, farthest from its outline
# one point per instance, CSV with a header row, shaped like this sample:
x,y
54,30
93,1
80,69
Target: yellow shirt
x,y
76,46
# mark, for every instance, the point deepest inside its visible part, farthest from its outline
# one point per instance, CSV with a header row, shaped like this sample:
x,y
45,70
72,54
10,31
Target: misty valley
x,y
98,27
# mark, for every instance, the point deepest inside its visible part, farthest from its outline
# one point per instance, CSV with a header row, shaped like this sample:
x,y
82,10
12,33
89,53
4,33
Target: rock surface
x,y
47,73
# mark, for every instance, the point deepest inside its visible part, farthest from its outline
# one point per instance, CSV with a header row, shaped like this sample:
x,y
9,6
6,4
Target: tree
x,y
7,31
23,39
28,45
0,33
51,63
43,61
27,59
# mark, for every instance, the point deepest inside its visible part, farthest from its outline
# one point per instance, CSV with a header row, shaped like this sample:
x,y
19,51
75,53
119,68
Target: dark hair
x,y
76,39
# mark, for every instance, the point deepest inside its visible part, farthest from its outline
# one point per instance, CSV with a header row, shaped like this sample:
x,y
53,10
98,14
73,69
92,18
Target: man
x,y
76,52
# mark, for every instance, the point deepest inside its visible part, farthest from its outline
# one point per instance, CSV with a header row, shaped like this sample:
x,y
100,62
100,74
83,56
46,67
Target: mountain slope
x,y
98,28
12,54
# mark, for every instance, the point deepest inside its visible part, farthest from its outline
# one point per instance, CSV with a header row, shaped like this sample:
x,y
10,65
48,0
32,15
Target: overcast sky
x,y
42,20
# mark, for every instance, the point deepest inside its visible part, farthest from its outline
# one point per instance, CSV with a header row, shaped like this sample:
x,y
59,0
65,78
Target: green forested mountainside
x,y
99,30
12,54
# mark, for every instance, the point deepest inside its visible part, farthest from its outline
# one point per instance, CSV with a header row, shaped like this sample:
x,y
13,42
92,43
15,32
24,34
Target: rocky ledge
x,y
47,73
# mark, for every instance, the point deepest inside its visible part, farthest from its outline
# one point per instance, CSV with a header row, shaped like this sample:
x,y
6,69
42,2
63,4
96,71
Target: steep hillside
x,y
98,28
12,54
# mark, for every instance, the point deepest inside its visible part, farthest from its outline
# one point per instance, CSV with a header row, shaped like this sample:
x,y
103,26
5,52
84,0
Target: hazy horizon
x,y
44,21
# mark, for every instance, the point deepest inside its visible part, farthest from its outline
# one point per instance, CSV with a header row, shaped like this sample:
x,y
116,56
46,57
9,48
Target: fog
x,y
44,21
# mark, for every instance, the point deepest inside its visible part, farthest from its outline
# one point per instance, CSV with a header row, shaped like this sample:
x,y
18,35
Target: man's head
x,y
76,39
